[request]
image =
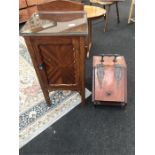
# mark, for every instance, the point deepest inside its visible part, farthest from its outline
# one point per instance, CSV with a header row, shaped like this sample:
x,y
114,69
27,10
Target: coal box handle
x,y
110,55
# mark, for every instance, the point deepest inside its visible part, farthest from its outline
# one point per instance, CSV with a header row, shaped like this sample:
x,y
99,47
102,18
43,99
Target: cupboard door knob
x,y
41,66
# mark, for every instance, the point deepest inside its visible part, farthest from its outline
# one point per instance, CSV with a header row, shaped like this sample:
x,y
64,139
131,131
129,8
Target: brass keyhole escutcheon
x,y
108,93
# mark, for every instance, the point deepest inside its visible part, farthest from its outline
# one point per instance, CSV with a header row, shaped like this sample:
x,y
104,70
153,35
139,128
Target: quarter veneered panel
x,y
59,61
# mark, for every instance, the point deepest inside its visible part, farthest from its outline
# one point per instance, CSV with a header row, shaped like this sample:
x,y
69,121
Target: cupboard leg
x,y
32,54
89,37
82,71
47,98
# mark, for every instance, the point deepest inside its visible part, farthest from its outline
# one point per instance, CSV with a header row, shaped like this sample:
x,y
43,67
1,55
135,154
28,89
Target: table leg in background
x,y
89,37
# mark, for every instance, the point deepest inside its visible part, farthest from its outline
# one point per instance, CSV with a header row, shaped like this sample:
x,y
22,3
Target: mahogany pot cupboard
x,y
57,49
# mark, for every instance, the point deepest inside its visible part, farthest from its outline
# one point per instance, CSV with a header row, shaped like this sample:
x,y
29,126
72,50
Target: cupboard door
x,y
57,59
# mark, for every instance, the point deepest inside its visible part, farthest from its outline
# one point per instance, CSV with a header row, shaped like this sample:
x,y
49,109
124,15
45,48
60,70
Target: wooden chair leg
x,y
89,37
107,17
130,12
105,14
117,11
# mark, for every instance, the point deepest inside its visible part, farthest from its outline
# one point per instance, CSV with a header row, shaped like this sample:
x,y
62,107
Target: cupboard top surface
x,y
56,24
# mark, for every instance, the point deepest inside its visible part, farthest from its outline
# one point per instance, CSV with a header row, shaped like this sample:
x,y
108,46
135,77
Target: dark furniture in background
x,y
28,7
106,4
60,5
93,12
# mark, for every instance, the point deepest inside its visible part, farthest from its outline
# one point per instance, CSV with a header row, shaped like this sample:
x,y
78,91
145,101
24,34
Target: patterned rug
x,y
35,115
